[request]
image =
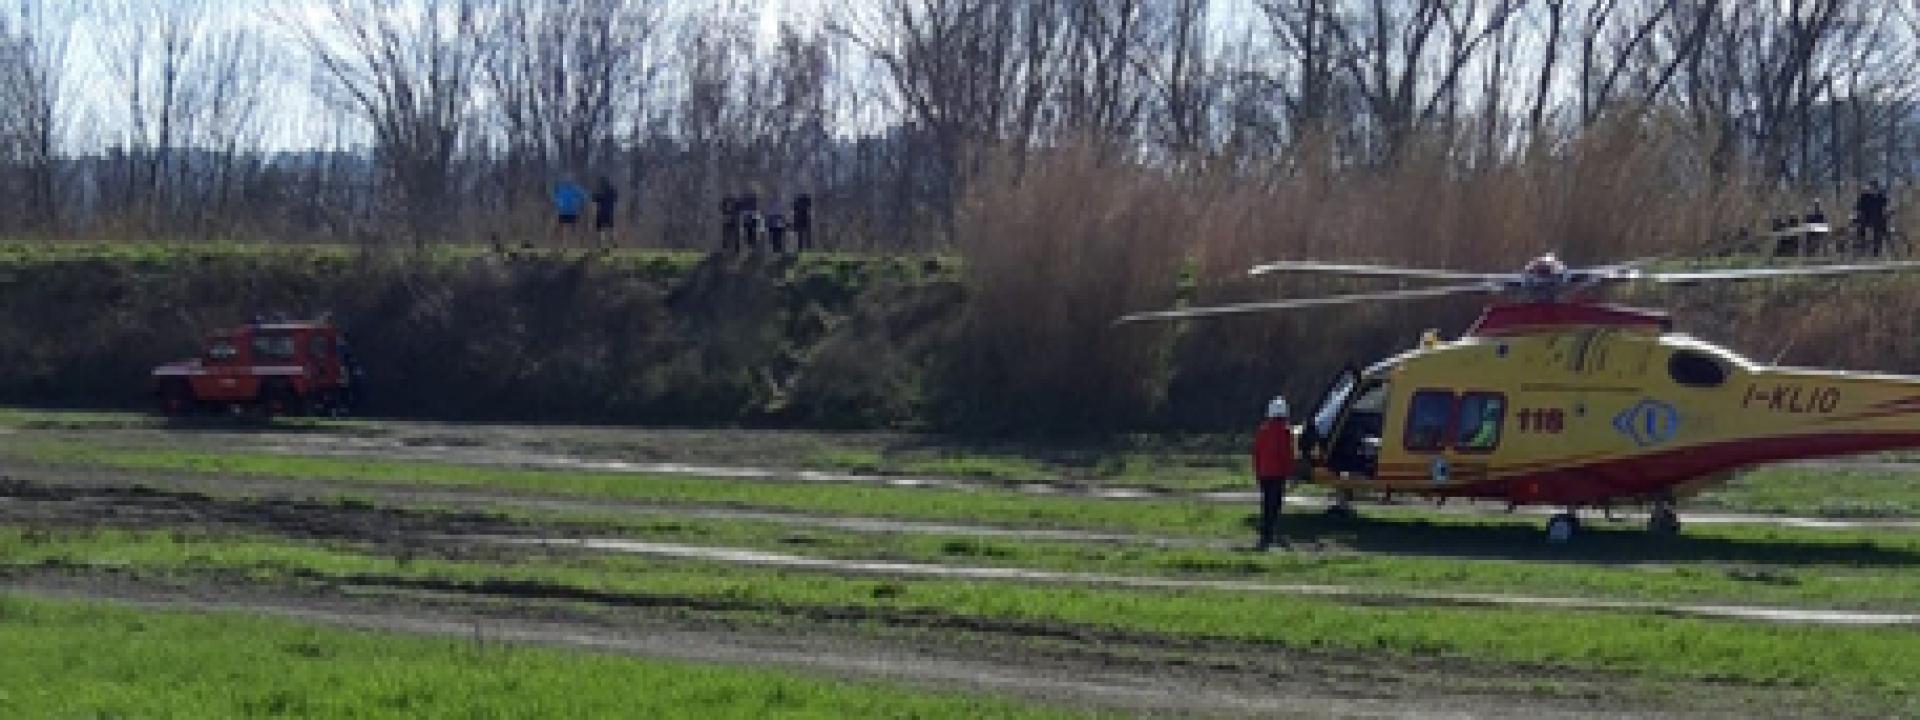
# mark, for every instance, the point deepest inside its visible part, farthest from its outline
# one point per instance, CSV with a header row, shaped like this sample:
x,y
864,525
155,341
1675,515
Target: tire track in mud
x,y
760,558
480,500
475,534
383,449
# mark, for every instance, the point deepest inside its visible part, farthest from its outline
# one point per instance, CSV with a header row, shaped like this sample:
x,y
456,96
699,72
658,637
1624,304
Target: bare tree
x,y
969,75
1406,64
191,95
33,111
148,50
409,73
1313,40
755,112
566,78
1187,78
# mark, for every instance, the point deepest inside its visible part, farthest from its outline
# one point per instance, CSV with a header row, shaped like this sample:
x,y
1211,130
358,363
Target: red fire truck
x,y
272,369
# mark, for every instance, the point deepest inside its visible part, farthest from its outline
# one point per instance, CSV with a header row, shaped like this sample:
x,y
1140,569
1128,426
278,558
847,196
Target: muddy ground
x,y
1187,470
1067,665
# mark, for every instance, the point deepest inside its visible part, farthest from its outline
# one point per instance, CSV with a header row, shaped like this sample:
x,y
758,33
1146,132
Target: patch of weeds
x,y
978,466
352,502
1849,508
847,460
969,547
1769,576
1221,564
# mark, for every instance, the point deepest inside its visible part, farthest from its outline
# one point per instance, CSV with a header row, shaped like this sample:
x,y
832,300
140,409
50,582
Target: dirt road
x,y
1128,679
651,452
1068,665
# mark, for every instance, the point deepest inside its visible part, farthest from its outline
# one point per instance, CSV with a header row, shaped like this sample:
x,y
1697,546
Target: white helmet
x,y
1277,408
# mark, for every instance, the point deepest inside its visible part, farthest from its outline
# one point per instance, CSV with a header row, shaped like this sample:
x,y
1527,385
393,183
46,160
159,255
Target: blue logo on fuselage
x,y
1650,422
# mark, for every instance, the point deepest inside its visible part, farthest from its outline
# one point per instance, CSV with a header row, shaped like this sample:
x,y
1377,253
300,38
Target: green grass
x,y
1875,662
1385,531
73,420
845,459
1733,564
1839,493
851,499
92,660
652,262
1102,466
1839,587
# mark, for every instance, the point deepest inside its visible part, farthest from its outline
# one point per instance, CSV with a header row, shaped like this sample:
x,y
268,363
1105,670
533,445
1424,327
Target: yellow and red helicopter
x,y
1552,398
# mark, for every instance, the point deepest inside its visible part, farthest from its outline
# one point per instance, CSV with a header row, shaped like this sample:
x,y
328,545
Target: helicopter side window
x,y
1478,427
1696,369
1427,419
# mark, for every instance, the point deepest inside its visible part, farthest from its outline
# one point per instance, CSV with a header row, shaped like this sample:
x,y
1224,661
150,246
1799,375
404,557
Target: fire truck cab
x,y
275,369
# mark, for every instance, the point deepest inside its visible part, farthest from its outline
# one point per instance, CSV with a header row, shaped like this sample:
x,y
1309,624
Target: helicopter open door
x,y
1343,433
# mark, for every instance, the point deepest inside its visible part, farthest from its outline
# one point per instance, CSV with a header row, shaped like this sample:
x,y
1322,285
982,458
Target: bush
x,y
1051,258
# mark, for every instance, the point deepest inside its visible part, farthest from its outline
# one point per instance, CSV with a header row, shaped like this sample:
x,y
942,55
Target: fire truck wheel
x,y
280,400
337,405
176,398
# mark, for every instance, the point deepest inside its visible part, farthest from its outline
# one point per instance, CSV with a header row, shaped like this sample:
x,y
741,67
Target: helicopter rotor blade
x,y
1383,271
1299,303
1677,278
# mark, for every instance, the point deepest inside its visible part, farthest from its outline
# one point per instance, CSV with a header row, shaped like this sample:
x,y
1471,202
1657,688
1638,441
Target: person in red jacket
x,y
1272,465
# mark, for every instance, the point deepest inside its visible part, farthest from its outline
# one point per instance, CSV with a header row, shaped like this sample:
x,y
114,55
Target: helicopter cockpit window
x,y
1427,419
1696,369
1478,428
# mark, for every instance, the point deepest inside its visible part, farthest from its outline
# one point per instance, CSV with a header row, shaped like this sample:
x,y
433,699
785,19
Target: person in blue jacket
x,y
569,201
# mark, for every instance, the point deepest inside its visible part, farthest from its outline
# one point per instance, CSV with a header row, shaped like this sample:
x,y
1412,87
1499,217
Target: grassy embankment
x,y
1842,661
88,660
830,340
1399,551
462,333
153,255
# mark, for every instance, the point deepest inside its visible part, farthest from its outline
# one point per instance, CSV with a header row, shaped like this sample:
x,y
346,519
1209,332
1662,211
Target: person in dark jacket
x,y
776,232
752,224
1870,218
729,223
1272,465
802,222
605,199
